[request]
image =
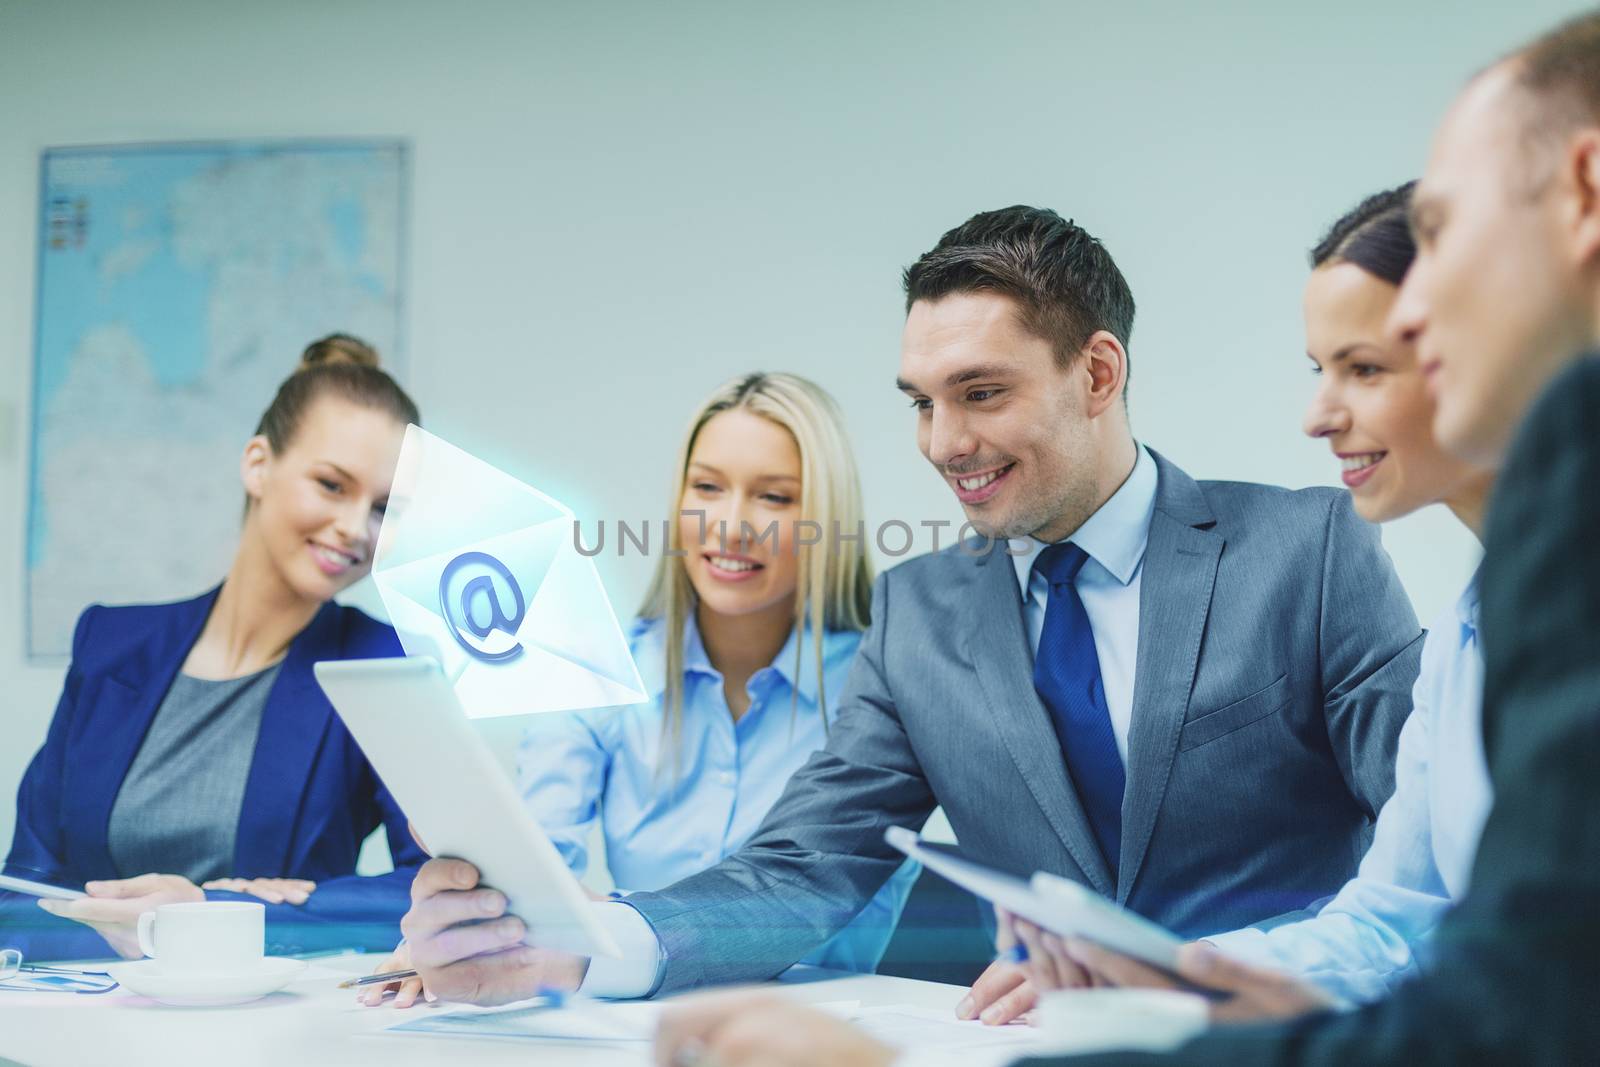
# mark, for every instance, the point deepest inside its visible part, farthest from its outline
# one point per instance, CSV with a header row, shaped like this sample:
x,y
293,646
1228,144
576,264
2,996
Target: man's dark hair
x,y
1563,67
1375,235
1064,282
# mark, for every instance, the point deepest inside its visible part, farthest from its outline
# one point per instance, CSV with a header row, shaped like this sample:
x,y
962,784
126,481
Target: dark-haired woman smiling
x,y
1373,409
192,754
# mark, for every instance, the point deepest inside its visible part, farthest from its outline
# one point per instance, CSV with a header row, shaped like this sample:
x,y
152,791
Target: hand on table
x,y
465,947
1007,991
406,990
1254,993
271,890
112,908
748,1029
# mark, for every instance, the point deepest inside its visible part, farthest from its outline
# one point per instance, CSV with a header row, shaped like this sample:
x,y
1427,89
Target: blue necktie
x,y
1066,673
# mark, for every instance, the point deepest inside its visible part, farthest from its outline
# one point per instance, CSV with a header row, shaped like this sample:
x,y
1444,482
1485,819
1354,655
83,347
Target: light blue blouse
x,y
1376,931
608,764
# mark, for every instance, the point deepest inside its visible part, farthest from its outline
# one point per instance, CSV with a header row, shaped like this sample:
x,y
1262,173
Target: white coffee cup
x,y
208,936
1101,1020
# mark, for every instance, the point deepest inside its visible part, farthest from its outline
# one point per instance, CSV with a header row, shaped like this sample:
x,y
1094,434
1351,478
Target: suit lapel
x,y
1179,573
129,697
998,646
293,725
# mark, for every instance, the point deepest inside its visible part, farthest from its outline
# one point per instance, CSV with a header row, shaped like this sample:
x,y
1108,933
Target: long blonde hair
x,y
835,585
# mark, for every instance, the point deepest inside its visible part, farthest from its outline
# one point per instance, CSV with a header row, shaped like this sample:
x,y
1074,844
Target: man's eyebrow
x,y
966,374
982,370
1348,350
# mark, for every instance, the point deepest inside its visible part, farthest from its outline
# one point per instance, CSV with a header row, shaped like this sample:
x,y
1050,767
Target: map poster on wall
x,y
177,286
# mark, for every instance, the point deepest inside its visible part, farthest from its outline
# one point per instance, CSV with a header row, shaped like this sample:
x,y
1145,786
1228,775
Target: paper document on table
x,y
577,1021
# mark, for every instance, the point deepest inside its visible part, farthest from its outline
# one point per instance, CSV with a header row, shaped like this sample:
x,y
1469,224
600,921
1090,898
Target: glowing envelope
x,y
479,571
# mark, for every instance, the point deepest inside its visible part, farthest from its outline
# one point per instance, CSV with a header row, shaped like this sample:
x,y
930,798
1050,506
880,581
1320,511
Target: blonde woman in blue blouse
x,y
728,645
744,641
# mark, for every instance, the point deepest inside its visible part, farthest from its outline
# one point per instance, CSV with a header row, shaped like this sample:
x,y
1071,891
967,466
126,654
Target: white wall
x,y
617,205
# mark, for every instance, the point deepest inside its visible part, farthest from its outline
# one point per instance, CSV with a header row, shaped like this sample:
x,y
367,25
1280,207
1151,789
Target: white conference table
x,y
312,1023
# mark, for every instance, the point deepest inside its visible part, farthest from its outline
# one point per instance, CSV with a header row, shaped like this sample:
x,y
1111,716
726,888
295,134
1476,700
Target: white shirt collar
x,y
648,641
1115,536
1467,604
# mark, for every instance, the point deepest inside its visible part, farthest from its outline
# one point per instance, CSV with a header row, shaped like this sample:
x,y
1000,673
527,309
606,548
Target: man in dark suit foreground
x,y
1505,291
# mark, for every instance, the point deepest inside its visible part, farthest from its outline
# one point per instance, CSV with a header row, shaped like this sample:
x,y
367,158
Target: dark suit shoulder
x,y
110,633
1565,408
140,635
1552,447
1295,522
137,616
1254,499
1539,578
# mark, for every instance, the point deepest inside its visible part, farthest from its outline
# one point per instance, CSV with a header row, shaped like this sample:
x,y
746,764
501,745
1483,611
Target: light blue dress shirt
x,y
1114,538
608,764
1374,933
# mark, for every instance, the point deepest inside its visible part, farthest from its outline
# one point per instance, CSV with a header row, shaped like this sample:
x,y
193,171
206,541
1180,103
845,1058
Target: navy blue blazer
x,y
310,800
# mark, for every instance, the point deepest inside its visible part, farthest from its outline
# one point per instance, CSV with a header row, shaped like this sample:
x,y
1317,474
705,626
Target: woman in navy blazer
x,y
317,475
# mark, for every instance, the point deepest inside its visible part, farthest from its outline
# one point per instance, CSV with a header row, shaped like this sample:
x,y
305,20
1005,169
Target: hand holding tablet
x,y
1049,902
42,890
404,714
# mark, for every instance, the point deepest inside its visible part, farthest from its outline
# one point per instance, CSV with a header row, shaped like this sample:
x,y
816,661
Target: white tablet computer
x,y
405,716
43,890
1055,904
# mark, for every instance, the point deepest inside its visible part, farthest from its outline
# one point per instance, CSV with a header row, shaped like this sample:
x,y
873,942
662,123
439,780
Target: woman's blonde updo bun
x,y
339,348
338,365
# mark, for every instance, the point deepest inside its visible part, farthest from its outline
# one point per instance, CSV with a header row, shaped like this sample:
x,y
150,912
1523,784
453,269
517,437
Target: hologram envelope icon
x,y
479,571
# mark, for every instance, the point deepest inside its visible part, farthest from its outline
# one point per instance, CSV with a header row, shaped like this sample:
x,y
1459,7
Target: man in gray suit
x,y
1185,695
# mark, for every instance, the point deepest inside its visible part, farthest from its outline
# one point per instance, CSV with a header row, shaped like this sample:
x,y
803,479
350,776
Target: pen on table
x,y
375,979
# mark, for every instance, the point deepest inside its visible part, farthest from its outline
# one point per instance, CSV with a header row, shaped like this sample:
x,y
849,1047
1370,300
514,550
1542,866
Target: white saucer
x,y
192,990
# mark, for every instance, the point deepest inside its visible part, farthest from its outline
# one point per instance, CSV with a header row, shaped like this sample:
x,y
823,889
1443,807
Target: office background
x,y
614,206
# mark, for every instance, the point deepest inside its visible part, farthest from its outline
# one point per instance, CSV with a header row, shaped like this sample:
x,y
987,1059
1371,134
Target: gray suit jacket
x,y
1276,656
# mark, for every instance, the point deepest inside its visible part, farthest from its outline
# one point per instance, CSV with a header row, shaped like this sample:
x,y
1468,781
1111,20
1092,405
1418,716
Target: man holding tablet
x,y
1184,695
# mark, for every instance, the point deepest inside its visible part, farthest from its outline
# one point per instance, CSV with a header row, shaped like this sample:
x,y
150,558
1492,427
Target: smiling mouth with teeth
x,y
1361,462
729,565
972,488
969,484
333,558
1359,467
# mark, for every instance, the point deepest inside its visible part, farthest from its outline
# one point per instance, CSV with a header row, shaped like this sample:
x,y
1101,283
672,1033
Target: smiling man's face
x,y
999,417
1496,300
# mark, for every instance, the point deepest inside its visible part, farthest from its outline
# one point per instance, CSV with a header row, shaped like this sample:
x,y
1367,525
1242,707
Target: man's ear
x,y
1583,171
254,465
1107,363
